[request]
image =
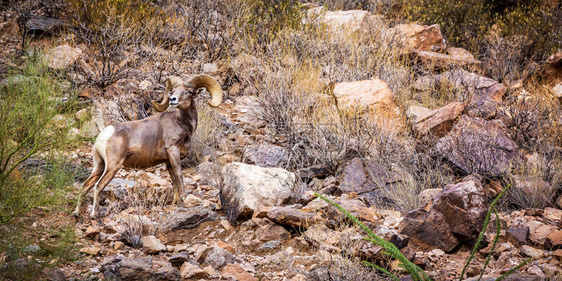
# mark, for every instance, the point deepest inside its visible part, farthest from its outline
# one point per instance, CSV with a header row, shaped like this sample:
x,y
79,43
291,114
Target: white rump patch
x,y
101,142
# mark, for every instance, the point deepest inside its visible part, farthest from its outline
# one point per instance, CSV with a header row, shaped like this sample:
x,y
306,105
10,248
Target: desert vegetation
x,y
387,110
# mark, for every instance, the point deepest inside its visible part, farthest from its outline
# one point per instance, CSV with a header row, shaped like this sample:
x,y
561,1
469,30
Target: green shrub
x,y
28,104
468,23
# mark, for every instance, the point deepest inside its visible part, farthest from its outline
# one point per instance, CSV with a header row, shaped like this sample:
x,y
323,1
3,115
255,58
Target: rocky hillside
x,y
390,120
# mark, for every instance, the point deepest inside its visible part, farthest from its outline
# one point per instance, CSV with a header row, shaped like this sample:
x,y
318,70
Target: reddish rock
x,y
517,236
551,70
439,61
413,36
479,146
440,121
292,217
554,240
367,96
456,215
235,272
272,232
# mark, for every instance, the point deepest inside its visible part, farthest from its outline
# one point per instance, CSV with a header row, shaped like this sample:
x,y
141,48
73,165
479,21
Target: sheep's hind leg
x,y
103,182
90,182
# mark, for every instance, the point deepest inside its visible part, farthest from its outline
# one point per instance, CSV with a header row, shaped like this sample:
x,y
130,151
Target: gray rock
x,y
178,259
479,146
188,218
131,269
292,217
365,175
62,56
45,24
456,215
218,258
247,188
152,245
266,155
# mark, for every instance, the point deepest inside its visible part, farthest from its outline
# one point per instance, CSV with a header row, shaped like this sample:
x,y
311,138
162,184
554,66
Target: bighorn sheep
x,y
164,138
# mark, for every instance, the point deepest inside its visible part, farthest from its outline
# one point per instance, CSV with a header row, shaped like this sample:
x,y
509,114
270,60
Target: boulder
x,y
292,217
365,175
187,218
192,272
517,235
62,56
345,21
538,231
266,155
45,24
479,146
373,96
272,232
218,258
120,268
152,245
413,36
247,188
554,240
438,122
237,273
531,252
437,60
551,69
454,216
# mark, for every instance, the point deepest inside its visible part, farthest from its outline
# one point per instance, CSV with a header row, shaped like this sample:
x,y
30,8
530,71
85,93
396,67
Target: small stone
x,y
91,250
118,245
218,257
531,252
210,68
554,240
190,271
236,272
518,236
179,259
92,231
557,254
226,225
191,201
152,245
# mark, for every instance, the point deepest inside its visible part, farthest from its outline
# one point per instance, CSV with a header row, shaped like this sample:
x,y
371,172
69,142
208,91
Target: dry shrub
x,y
342,261
533,119
113,32
207,136
144,214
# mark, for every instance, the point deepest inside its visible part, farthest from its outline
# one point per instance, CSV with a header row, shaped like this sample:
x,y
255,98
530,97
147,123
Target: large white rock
x,y
152,245
246,188
366,94
62,56
413,36
346,21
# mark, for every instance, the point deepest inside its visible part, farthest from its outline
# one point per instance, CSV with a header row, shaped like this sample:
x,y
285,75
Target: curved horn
x,y
212,86
171,82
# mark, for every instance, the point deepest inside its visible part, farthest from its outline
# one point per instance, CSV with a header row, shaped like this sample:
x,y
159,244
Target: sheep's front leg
x,y
175,172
